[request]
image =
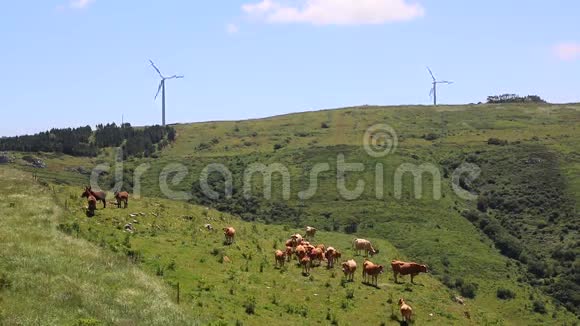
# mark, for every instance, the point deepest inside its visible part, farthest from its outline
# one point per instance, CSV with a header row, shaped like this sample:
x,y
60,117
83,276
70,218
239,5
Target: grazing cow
x,y
348,268
308,247
289,251
329,255
300,252
306,264
122,197
364,271
406,310
230,234
364,245
99,195
290,243
279,258
296,239
317,254
337,255
404,268
310,232
373,271
321,246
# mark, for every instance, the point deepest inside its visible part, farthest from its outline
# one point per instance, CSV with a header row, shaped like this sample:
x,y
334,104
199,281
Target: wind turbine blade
x,y
159,89
156,69
431,73
431,92
174,77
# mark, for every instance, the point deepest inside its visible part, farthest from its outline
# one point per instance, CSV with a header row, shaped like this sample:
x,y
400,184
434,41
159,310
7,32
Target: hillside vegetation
x,y
50,278
239,283
485,247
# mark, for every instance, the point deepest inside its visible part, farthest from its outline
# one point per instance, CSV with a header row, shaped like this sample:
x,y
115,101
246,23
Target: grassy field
x,y
434,231
50,278
171,243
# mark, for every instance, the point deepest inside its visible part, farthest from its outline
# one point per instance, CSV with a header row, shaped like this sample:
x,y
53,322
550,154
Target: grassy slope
x,y
48,278
425,230
217,292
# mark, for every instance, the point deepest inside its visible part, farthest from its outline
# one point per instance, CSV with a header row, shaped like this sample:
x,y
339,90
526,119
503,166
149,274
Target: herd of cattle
x,y
306,254
309,255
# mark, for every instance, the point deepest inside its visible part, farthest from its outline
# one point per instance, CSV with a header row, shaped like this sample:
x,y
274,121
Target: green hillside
x,y
170,242
50,278
520,233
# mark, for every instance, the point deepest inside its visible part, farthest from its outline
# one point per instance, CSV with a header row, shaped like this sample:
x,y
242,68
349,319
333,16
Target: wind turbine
x,y
434,88
162,89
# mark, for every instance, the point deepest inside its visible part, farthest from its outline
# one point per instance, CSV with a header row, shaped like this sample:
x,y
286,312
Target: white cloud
x,y
80,4
567,51
232,29
335,12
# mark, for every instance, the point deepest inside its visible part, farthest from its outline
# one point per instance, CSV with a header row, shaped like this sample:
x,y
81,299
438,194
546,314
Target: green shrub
x,y
430,136
539,307
250,306
505,294
497,141
468,290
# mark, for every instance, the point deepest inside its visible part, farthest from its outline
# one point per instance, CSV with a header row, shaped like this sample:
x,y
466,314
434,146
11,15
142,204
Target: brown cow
x,y
289,251
317,254
290,243
321,246
279,258
404,268
372,270
122,197
92,201
310,232
296,239
364,273
337,256
300,252
364,245
406,310
306,264
329,255
230,234
349,267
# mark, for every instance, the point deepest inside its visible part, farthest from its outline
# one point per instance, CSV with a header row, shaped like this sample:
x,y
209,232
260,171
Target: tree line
x,y
83,141
514,98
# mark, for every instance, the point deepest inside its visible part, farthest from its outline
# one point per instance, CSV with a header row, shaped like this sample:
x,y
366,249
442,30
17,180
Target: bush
x,y
497,141
505,294
468,290
430,136
250,306
278,146
324,125
539,307
350,294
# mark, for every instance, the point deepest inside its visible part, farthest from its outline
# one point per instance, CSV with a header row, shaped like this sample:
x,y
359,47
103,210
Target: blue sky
x,y
83,62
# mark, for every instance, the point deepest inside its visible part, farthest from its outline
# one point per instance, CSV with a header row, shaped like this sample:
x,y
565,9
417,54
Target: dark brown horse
x,y
122,197
92,206
99,195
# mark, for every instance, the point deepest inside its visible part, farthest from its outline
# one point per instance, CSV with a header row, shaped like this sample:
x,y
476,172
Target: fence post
x,y
177,292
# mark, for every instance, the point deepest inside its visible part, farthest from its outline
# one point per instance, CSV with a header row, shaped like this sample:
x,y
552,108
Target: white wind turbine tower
x,y
434,88
162,89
